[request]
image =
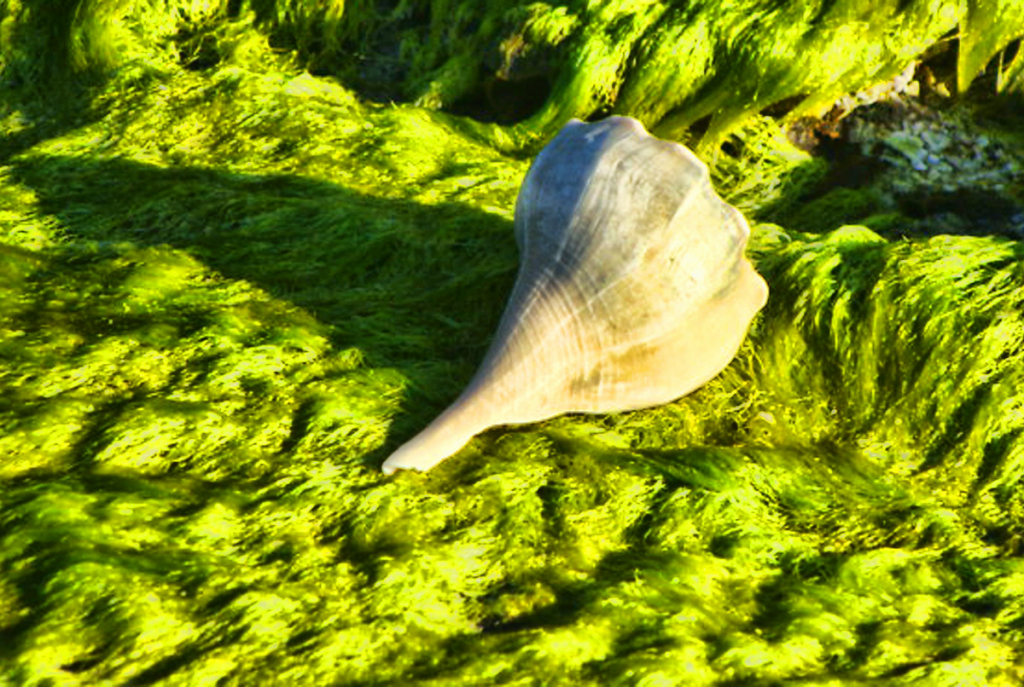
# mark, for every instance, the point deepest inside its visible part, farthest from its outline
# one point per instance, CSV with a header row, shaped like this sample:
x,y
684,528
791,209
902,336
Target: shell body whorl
x,y
633,288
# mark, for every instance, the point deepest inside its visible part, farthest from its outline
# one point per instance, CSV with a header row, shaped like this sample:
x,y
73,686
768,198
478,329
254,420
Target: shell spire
x,y
633,288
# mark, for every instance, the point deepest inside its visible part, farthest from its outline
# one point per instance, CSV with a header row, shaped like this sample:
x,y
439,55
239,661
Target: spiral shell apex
x,y
633,288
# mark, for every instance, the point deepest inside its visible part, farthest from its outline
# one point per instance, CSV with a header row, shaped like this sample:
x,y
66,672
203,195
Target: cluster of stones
x,y
931,151
940,151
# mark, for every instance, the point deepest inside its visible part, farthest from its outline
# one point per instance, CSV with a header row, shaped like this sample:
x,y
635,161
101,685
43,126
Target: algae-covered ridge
x,y
248,248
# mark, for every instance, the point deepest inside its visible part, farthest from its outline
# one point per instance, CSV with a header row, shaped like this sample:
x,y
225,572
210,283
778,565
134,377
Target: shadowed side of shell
x,y
633,288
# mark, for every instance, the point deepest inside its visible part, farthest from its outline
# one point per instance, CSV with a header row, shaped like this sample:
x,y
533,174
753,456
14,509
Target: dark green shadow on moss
x,y
406,284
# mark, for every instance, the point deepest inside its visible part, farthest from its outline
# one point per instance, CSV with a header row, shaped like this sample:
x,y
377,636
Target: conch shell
x,y
633,288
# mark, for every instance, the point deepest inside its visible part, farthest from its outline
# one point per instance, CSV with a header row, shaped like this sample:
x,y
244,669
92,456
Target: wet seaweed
x,y
230,287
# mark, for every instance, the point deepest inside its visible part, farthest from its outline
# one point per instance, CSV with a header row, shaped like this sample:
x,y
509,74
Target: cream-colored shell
x,y
633,288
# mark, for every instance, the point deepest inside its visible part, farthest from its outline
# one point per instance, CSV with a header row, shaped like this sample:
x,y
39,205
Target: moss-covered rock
x,y
671,65
228,288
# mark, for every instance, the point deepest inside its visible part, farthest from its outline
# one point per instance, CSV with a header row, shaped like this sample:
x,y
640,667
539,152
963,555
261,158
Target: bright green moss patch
x,y
671,65
228,290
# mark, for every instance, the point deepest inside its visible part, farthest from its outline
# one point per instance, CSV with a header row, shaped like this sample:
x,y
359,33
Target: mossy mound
x,y
228,289
670,64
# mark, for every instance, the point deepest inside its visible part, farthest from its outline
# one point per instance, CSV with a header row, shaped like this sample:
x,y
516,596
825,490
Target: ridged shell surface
x,y
633,288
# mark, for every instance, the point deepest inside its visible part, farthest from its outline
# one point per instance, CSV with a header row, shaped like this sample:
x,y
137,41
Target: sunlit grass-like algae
x,y
230,289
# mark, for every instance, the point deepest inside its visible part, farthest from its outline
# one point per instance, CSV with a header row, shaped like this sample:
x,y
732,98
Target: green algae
x,y
988,27
671,65
229,289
